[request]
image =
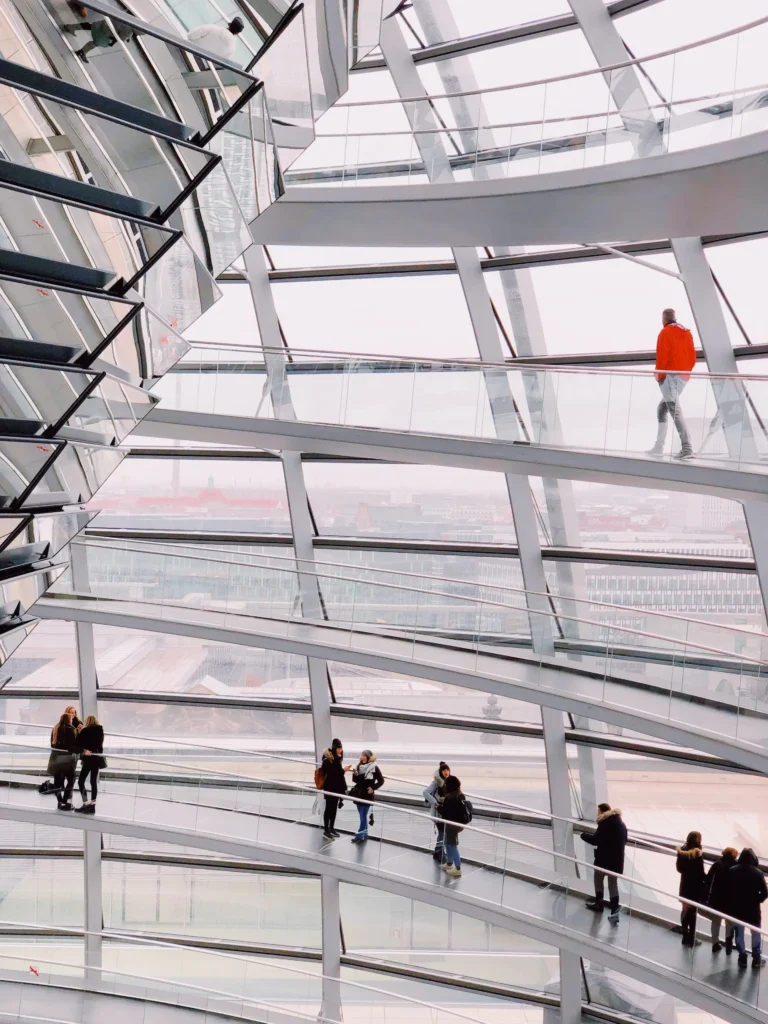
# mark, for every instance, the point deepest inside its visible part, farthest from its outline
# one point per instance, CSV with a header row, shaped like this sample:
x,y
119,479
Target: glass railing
x,y
151,968
707,92
577,623
189,14
647,857
535,889
723,417
464,631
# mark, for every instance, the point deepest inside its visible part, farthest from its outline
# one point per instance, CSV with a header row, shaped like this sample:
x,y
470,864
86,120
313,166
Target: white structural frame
x,y
92,840
408,83
301,527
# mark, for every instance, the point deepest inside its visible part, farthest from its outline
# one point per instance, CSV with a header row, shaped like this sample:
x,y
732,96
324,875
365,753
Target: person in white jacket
x,y
433,795
220,40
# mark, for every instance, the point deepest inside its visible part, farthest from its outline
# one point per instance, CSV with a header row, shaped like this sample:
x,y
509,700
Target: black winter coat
x,y
66,739
609,840
452,808
690,864
362,783
91,737
746,891
333,770
716,885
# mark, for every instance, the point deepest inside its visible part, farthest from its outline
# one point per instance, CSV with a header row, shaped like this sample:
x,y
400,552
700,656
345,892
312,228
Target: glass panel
x,y
197,494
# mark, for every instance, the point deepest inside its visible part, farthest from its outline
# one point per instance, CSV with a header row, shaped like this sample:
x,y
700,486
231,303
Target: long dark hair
x,y
693,840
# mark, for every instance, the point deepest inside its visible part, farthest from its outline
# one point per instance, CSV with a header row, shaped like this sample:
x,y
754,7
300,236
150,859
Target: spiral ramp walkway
x,y
671,194
678,195
701,475
693,715
497,886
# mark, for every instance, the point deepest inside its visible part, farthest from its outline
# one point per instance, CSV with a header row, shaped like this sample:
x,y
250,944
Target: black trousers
x,y
64,783
688,921
331,810
89,768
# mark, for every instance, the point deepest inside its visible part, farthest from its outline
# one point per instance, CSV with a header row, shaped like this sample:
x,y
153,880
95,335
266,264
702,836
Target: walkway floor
x,y
552,911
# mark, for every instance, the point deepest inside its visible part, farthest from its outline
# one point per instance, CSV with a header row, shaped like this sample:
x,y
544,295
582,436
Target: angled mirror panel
x,y
23,591
13,634
39,393
21,463
74,476
110,412
56,325
50,531
91,238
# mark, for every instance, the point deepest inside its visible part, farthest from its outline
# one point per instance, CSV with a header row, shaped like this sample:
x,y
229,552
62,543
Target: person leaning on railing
x,y
218,39
609,840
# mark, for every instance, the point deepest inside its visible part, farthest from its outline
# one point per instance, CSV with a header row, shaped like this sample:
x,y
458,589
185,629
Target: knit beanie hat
x,y
335,743
368,754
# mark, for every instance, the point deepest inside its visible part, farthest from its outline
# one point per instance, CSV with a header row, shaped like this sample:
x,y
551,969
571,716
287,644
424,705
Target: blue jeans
x,y
451,855
757,945
362,832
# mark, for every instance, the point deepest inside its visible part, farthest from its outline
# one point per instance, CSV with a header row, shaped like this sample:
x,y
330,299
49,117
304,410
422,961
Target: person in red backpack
x,y
675,358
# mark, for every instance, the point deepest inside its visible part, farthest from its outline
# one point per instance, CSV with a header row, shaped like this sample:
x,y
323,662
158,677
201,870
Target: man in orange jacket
x,y
675,358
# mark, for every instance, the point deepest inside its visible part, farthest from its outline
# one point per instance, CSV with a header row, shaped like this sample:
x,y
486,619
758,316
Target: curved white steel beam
x,y
706,190
715,728
548,914
696,476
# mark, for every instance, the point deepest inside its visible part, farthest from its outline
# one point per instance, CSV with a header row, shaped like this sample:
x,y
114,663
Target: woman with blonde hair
x,y
90,741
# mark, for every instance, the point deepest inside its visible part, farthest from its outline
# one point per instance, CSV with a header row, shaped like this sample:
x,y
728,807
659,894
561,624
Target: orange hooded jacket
x,y
674,351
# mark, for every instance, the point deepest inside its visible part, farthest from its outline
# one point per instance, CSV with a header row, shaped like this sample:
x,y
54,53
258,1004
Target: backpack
x,y
466,809
319,777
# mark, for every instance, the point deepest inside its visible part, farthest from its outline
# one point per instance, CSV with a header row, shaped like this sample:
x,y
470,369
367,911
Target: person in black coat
x,y
747,892
63,760
716,896
332,770
609,840
456,810
690,865
90,743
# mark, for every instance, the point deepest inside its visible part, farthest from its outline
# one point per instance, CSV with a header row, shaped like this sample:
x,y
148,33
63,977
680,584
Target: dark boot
x,y
596,904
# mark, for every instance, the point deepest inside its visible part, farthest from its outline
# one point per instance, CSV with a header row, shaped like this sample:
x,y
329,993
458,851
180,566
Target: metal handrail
x,y
657,847
459,364
153,547
558,857
633,62
625,112
140,940
145,978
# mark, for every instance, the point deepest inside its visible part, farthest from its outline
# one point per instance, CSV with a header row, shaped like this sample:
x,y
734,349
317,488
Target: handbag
x,y
61,761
